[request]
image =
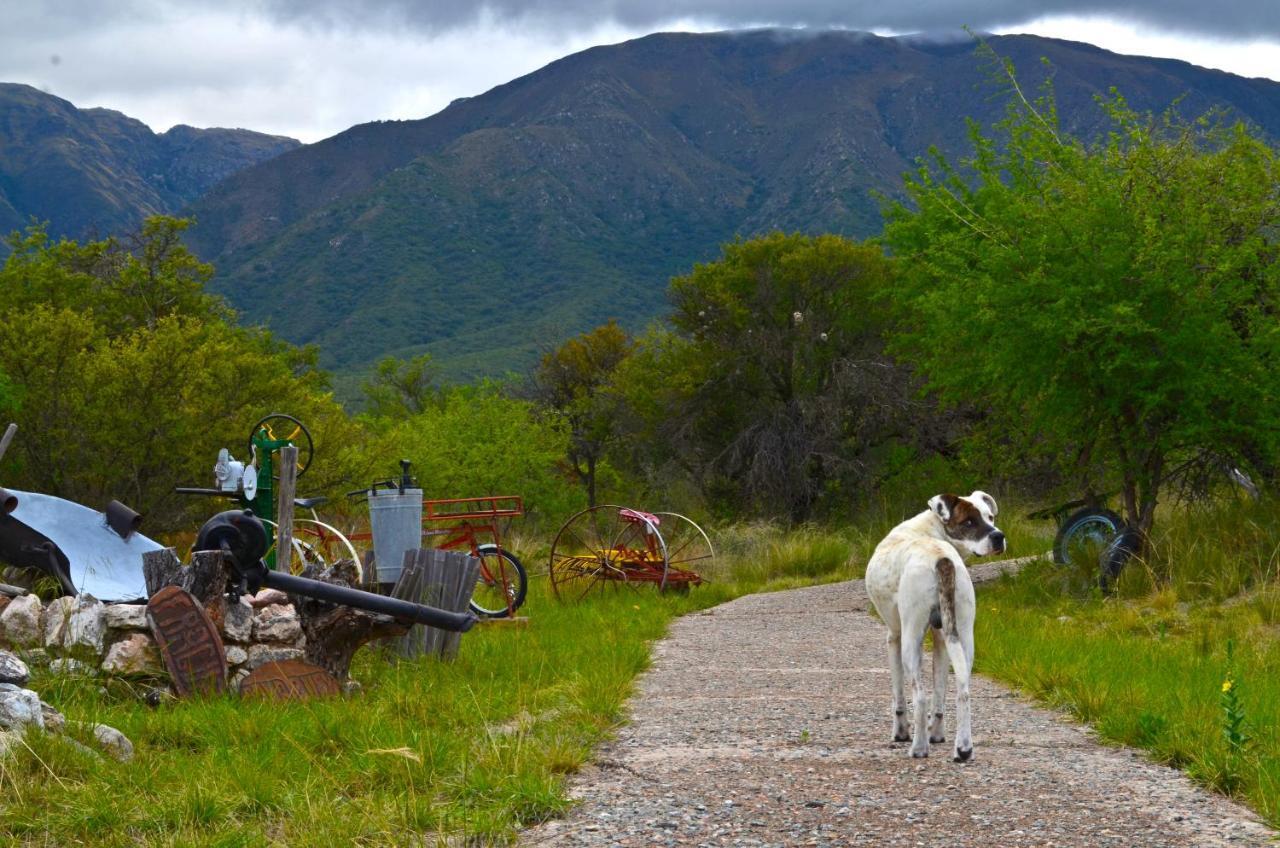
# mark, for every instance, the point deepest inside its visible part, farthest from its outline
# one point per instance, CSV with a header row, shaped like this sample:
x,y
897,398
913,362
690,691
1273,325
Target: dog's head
x,y
969,522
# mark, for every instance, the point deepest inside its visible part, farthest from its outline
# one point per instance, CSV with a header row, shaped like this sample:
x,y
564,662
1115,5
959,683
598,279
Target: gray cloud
x,y
310,68
1225,19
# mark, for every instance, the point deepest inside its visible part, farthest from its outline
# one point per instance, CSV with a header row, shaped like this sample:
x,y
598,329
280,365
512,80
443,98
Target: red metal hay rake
x,y
610,546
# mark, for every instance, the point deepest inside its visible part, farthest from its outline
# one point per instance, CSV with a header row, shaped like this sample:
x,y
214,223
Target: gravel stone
x,y
765,721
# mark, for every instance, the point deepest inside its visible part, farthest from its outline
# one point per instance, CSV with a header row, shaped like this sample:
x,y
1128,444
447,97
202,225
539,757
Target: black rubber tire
x,y
1103,524
1114,556
517,577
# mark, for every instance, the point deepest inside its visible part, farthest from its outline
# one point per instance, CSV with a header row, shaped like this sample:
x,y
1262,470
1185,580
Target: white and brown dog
x,y
917,580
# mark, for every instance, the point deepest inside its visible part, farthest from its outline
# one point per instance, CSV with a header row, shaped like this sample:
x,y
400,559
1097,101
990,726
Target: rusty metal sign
x,y
189,642
290,680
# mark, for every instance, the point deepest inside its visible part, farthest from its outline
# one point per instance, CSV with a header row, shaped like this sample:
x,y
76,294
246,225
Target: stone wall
x,y
84,635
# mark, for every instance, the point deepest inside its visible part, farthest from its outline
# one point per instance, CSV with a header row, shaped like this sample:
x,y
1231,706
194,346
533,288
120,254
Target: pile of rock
x,y
84,635
22,709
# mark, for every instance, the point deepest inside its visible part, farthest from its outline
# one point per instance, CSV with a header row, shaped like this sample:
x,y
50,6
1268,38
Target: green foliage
x,y
1113,304
571,383
8,395
129,377
478,440
771,391
399,388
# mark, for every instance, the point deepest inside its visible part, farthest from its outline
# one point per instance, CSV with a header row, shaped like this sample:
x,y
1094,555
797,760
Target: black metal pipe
x,y
123,520
458,622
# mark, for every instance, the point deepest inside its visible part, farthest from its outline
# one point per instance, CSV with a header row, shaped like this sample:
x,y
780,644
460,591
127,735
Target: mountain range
x,y
511,220
95,172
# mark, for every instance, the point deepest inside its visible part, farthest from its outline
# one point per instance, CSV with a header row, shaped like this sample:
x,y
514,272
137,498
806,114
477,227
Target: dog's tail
x,y
946,571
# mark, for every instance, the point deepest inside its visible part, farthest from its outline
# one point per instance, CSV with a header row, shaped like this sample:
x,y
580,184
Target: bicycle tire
x,y
1114,556
517,580
1090,523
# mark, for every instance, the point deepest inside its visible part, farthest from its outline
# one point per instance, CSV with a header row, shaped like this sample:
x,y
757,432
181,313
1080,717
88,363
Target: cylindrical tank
x,y
395,519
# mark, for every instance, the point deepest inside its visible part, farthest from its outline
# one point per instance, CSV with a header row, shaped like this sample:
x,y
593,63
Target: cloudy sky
x,y
311,68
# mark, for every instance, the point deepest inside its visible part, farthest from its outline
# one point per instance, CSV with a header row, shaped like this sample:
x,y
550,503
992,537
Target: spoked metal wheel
x,y
315,543
604,547
689,551
502,584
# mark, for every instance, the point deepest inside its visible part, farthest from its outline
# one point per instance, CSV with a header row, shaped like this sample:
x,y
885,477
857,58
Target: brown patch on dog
x,y
946,570
966,521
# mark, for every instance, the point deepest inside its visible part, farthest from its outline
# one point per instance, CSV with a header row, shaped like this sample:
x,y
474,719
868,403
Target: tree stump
x,y
206,578
334,633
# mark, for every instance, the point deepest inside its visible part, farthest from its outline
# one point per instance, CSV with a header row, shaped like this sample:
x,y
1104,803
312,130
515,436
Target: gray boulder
x,y
13,670
19,708
20,622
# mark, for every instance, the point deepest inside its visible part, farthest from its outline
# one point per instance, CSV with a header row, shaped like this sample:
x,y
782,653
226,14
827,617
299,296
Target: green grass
x,y
477,747
1146,667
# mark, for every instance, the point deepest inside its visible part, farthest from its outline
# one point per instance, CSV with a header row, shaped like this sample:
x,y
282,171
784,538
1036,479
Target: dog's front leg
x,y
900,730
913,667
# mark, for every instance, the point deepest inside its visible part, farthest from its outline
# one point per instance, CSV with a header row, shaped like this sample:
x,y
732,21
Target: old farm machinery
x,y
611,546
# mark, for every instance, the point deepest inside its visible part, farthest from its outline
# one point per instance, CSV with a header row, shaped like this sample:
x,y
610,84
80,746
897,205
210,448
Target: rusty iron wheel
x,y
602,548
689,551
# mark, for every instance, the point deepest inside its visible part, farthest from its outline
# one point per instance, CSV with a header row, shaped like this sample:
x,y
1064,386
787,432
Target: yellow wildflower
x,y
1226,685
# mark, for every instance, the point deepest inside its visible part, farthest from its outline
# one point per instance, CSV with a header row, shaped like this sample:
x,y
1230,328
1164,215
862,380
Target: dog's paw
x,y
919,753
902,737
963,756
934,740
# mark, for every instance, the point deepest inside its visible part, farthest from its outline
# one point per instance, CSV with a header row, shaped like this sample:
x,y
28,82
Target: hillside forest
x,y
1047,316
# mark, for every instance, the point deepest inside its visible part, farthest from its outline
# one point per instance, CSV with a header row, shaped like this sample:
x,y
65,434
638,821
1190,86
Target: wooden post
x,y
284,508
7,438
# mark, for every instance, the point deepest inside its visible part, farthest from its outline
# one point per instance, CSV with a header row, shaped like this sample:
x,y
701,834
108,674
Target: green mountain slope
x,y
96,171
514,219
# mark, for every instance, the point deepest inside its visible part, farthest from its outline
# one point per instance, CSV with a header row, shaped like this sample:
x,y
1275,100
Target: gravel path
x,y
764,721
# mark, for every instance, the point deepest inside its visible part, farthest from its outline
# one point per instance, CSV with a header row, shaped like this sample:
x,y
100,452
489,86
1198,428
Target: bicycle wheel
x,y
502,585
1086,533
1118,551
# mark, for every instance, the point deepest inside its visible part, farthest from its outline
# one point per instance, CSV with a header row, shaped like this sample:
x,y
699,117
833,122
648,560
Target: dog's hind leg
x,y
957,630
937,732
913,668
900,731
964,732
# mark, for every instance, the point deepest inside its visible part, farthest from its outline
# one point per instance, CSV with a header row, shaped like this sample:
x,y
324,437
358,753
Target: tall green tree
x,y
130,378
772,385
1113,303
402,388
571,383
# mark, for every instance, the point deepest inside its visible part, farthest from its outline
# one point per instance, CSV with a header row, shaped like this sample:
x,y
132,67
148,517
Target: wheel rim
x,y
329,545
280,426
597,549
689,550
496,589
1088,538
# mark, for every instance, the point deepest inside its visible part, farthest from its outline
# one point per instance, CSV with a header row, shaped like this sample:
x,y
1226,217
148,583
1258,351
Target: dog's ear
x,y
991,502
942,505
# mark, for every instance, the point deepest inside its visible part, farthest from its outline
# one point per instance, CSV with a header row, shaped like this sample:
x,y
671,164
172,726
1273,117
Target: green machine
x,y
252,483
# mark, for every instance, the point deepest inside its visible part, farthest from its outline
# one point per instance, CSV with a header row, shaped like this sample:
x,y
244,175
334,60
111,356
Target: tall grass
x,y
1147,666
